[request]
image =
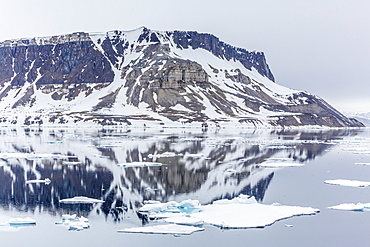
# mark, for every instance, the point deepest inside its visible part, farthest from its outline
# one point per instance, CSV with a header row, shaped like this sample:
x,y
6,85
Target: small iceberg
x,y
22,221
281,164
349,183
352,207
165,154
172,229
72,163
36,181
363,163
241,212
74,223
139,164
80,199
194,155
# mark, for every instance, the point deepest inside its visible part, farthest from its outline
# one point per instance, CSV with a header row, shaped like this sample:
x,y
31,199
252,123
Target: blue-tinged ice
x,y
15,224
22,221
155,209
352,207
241,212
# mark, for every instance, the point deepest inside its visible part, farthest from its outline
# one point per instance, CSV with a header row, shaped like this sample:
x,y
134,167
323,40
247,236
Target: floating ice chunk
x,y
79,224
80,199
352,207
139,164
36,181
155,207
33,156
173,229
194,155
72,222
345,182
240,212
280,159
22,221
363,163
165,154
280,147
72,163
281,164
184,220
362,152
69,217
248,215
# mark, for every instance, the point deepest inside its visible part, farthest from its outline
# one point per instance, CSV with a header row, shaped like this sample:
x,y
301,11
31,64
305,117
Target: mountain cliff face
x,y
145,77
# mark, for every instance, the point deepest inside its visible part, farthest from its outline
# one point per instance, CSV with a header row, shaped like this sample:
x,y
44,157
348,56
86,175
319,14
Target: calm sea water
x,y
197,165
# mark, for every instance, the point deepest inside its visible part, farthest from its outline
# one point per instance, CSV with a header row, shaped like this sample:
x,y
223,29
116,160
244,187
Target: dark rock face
x,y
220,49
63,62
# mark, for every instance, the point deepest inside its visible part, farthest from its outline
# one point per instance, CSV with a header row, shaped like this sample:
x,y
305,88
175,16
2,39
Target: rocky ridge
x,y
146,77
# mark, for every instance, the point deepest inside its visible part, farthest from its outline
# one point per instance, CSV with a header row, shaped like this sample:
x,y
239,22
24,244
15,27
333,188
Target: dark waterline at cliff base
x,y
204,166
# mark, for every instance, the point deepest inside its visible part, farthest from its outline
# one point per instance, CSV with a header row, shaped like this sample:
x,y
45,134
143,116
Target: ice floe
x,y
22,221
352,207
281,164
350,183
277,162
80,199
194,155
73,222
38,181
14,224
241,212
165,154
139,164
363,163
173,229
33,156
72,163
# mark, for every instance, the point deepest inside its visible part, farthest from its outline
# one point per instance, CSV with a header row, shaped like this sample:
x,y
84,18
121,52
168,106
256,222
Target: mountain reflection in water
x,y
206,166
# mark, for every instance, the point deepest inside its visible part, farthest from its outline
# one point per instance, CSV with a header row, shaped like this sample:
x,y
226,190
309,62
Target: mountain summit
x,y
146,77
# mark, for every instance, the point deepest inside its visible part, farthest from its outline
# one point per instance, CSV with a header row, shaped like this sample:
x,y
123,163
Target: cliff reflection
x,y
205,165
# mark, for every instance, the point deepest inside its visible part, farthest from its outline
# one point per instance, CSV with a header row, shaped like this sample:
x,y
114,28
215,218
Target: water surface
x,y
204,165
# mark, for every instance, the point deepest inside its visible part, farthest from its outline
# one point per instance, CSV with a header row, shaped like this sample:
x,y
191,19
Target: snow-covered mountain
x,y
146,77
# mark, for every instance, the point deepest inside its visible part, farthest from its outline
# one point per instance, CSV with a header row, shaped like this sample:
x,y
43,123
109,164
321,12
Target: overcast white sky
x,y
320,46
